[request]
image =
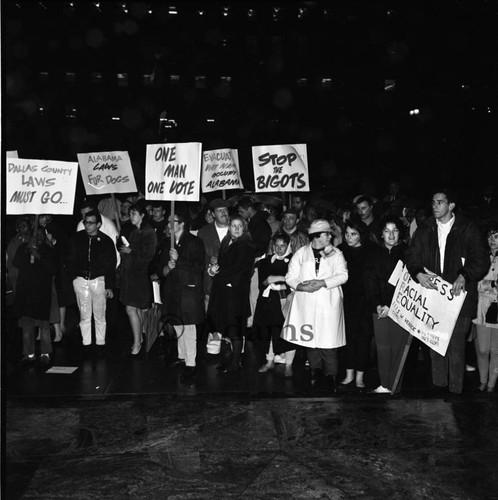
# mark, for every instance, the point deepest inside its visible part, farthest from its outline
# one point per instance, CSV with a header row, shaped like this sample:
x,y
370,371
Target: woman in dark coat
x,y
36,264
390,338
273,291
357,249
229,308
136,287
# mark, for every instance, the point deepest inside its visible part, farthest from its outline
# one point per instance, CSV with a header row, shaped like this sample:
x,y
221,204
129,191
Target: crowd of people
x,y
278,278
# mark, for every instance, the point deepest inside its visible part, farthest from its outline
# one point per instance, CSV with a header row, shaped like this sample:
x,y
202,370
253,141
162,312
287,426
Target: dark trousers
x,y
449,369
358,337
390,339
326,360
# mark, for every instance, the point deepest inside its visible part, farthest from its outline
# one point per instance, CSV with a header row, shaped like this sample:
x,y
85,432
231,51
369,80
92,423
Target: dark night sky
x,y
310,72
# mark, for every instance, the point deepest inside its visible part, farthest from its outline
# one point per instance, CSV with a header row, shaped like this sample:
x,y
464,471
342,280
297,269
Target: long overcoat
x,y
316,320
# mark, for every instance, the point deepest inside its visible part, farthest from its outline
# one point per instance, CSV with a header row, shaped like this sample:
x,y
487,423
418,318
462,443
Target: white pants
x,y
187,343
90,295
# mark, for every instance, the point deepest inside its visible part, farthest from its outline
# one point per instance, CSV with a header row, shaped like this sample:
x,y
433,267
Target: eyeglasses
x,y
89,223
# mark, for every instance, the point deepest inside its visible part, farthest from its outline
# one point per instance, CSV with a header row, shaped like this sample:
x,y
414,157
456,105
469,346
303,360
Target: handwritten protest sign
x,y
220,170
40,186
172,171
107,172
280,168
429,315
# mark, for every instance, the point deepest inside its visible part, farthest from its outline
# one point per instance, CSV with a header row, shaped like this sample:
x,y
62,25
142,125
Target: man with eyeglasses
x,y
451,246
93,265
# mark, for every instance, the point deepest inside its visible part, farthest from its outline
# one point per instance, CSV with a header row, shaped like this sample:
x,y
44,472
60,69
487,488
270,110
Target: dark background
x,y
266,73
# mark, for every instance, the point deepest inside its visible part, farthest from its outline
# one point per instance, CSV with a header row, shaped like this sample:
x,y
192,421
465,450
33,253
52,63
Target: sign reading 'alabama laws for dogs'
x,y
429,315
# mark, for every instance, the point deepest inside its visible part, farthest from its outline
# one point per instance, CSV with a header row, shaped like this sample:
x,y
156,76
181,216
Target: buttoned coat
x,y
316,320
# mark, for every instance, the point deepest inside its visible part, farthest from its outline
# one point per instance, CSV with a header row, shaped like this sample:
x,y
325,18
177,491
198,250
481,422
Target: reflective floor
x,y
120,427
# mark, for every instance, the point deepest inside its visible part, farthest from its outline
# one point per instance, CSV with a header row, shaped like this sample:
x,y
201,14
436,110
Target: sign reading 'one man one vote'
x,y
172,171
429,315
280,168
40,186
220,170
107,172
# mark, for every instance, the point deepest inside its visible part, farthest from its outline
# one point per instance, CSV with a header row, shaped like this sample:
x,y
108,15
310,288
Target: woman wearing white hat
x,y
315,318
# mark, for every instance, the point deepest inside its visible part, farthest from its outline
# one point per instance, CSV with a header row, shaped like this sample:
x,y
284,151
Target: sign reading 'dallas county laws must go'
x,y
40,186
107,172
220,170
429,315
280,168
172,171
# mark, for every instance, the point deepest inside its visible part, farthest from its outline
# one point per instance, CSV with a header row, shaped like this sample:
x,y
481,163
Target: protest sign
x,y
220,170
12,154
107,172
280,168
40,186
172,171
429,315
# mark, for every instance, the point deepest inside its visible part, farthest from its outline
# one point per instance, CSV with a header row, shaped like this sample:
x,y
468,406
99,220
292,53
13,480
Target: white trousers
x,y
187,343
90,296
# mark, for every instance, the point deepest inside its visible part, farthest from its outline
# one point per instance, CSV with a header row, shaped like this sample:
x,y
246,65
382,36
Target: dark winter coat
x,y
465,254
183,291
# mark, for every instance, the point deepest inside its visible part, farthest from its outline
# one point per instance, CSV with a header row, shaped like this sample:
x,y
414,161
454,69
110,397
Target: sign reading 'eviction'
x,y
40,186
172,171
429,315
280,168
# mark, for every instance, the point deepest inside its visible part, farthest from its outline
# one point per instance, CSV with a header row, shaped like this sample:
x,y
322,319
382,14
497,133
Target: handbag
x,y
492,314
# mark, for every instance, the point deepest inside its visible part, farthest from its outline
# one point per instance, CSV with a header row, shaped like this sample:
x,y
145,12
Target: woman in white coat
x,y
315,318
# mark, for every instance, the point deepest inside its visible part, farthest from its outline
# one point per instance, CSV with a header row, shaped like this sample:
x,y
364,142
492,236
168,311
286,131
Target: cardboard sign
x,y
172,171
107,172
429,315
280,168
220,170
40,186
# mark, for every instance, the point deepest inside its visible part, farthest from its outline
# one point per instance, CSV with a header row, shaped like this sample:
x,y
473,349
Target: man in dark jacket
x,y
93,265
449,246
182,268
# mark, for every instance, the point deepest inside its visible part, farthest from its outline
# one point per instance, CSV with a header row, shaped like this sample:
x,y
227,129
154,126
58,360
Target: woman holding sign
x,y
486,322
136,287
229,299
390,338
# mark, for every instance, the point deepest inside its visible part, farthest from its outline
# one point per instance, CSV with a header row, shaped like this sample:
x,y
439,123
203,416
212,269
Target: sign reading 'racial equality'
x,y
107,172
172,171
220,170
429,315
40,186
280,168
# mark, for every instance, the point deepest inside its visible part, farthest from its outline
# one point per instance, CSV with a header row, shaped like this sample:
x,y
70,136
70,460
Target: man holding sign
x,y
449,246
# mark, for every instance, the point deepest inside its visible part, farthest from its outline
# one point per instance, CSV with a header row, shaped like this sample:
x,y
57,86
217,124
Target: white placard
x,y
429,315
62,370
280,168
107,172
220,170
172,171
40,186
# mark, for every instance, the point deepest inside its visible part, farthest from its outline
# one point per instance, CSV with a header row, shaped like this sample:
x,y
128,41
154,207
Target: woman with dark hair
x,y
315,319
357,250
486,322
390,338
136,288
273,291
228,308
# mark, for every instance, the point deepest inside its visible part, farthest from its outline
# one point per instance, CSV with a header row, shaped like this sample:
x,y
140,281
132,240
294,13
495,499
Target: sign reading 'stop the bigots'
x,y
280,168
173,171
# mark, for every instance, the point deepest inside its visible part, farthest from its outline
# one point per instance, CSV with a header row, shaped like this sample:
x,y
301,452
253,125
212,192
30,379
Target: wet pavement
x,y
124,428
